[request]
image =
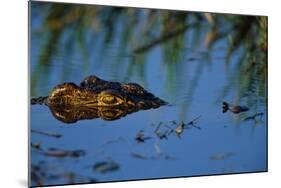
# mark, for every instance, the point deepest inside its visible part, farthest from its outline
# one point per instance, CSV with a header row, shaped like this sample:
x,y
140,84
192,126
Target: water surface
x,y
191,77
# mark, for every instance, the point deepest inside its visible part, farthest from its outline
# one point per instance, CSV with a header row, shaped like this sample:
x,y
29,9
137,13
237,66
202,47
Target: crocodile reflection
x,y
74,114
97,98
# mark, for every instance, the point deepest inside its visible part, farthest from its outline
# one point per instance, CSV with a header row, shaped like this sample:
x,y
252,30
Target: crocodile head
x,y
108,94
97,98
69,94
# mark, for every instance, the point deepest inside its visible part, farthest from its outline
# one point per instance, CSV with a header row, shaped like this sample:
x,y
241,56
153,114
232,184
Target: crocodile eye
x,y
109,99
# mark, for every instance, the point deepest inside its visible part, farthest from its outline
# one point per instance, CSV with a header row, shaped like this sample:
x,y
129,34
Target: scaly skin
x,y
97,98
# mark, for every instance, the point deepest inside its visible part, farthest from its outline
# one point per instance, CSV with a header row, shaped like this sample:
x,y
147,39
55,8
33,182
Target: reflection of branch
x,y
253,117
193,122
163,38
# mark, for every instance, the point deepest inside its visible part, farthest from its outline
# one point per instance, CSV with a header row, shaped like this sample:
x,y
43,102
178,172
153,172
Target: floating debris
x,y
36,146
193,123
39,100
221,156
106,166
138,155
55,135
162,135
178,130
181,126
36,175
233,108
141,138
42,174
253,117
54,152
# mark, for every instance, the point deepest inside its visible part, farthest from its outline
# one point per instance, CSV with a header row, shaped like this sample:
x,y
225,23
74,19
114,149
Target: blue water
x,y
193,88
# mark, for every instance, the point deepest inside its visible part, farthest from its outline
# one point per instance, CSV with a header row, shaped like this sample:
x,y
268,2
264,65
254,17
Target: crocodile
x,y
95,97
